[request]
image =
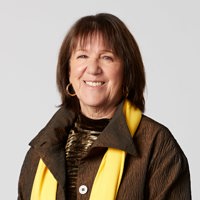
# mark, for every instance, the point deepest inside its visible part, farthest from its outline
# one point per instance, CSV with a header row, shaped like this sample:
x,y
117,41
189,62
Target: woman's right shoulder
x,y
55,127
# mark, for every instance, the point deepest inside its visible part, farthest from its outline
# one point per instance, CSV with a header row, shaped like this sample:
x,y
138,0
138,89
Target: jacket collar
x,y
55,132
50,142
116,134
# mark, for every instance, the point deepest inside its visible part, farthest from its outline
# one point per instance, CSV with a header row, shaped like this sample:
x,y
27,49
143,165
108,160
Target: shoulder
x,y
55,130
148,123
157,137
151,128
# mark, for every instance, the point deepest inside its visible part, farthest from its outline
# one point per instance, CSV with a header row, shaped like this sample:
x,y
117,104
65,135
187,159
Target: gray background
x,y
31,33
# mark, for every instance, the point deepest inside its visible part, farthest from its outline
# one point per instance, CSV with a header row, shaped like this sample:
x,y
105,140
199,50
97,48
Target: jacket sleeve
x,y
168,177
27,175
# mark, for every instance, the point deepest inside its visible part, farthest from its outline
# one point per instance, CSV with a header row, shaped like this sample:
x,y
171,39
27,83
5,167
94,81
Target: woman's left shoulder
x,y
156,133
150,125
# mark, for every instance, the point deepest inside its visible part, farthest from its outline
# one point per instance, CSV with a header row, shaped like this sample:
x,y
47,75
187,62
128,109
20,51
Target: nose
x,y
93,67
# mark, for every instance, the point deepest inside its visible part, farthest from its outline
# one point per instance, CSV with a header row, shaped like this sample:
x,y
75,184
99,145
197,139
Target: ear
x,y
69,71
69,75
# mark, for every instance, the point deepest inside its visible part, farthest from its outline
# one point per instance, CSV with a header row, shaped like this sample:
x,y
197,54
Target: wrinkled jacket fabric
x,y
155,167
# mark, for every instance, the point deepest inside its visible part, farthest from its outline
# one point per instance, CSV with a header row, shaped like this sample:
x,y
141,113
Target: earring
x,y
68,91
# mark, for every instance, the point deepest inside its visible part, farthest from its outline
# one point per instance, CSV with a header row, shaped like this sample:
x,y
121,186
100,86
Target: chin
x,y
95,103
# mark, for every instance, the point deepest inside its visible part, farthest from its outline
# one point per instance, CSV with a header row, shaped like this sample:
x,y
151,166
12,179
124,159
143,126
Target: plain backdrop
x,y
31,33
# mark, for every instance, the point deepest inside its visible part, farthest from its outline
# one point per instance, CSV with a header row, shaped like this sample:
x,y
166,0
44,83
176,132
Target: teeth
x,y
90,83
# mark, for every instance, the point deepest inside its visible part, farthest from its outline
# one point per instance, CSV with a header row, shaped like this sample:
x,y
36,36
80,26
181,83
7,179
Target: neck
x,y
98,113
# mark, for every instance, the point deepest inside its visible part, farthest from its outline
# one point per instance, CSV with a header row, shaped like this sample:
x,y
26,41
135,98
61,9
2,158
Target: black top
x,y
80,139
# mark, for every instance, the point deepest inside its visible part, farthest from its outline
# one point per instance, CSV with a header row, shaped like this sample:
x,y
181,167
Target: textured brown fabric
x,y
155,169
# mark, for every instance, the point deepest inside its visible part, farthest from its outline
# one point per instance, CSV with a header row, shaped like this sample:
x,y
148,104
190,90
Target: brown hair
x,y
116,36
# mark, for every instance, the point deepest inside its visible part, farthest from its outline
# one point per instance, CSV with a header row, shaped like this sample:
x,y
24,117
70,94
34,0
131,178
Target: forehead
x,y
88,40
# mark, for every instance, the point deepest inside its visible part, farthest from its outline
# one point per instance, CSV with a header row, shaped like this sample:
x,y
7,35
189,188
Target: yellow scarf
x,y
108,178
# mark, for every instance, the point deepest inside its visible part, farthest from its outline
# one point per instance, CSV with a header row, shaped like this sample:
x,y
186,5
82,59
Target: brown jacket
x,y
155,167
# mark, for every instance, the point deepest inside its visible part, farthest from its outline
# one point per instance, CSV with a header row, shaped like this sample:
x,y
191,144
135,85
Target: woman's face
x,y
96,74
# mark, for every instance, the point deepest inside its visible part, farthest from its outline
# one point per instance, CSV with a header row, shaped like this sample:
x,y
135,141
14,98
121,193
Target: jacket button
x,y
83,189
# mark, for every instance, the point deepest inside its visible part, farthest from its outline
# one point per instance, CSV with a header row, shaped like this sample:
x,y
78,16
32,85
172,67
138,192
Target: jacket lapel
x,y
50,143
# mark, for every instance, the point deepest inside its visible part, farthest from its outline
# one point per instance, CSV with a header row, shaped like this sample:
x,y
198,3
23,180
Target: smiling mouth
x,y
94,83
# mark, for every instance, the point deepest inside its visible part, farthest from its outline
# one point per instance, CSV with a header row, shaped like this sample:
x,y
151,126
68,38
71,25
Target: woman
x,y
99,145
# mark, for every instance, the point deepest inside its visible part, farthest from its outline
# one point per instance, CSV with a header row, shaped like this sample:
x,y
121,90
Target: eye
x,y
83,56
108,58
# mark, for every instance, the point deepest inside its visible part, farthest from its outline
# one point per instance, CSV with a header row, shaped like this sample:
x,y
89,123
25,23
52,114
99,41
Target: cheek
x,y
117,75
76,73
